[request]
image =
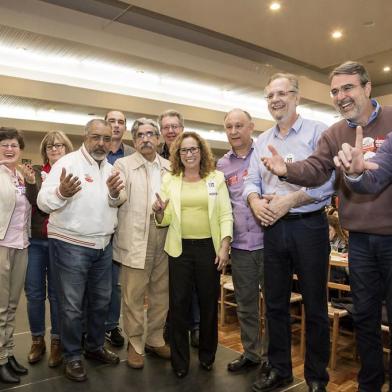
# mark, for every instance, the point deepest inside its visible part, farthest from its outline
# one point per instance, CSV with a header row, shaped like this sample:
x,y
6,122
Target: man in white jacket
x,y
81,195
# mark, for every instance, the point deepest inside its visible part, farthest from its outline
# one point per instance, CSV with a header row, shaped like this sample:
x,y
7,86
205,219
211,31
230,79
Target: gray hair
x,y
171,113
239,110
290,77
351,68
143,121
91,123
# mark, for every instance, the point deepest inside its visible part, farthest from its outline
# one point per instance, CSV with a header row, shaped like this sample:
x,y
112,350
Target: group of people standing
x,y
156,226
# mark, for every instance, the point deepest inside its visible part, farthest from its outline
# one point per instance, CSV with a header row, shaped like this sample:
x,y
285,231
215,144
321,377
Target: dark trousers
x,y
370,263
299,245
194,267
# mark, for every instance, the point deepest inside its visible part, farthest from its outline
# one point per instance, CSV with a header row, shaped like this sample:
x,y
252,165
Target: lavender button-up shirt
x,y
247,234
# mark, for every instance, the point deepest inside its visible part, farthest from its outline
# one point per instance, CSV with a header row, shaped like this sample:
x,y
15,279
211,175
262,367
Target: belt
x,y
302,215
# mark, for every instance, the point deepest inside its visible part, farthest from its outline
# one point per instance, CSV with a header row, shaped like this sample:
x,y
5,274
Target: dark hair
x,y
207,162
12,133
351,68
114,110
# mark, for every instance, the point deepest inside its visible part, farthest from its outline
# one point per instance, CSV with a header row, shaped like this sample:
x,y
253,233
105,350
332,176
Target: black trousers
x,y
299,245
194,267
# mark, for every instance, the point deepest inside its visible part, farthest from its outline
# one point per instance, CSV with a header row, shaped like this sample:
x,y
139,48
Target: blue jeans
x,y
115,299
81,272
38,273
370,263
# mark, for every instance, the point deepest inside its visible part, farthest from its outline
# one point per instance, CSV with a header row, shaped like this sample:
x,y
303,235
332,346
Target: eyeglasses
x,y
148,135
98,138
192,150
11,146
345,89
279,94
57,146
174,127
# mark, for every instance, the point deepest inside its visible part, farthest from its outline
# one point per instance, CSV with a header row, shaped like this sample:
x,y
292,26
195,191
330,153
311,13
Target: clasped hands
x,y
269,208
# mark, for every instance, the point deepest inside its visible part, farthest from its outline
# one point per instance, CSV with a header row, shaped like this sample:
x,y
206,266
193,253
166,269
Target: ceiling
x,y
64,61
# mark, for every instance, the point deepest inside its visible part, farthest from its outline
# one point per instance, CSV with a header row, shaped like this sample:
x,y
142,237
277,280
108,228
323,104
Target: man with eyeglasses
x,y
119,149
368,218
247,262
295,239
81,194
171,124
138,245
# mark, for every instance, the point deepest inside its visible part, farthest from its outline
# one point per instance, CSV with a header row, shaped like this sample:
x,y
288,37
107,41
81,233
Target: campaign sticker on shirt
x,y
43,175
232,180
368,154
289,158
88,178
211,188
21,190
379,141
368,144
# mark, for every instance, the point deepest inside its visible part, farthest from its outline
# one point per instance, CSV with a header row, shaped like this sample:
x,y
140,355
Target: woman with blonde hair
x,y
195,204
54,145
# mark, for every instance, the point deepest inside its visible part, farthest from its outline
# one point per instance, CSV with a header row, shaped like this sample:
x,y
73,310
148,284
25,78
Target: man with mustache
x,y
138,245
119,149
295,239
81,195
368,218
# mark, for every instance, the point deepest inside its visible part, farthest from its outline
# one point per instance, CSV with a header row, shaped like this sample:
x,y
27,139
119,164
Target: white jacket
x,y
89,217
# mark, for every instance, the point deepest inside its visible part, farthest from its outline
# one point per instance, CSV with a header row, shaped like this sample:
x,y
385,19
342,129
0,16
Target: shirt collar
x,y
295,127
231,153
119,151
372,117
155,162
90,159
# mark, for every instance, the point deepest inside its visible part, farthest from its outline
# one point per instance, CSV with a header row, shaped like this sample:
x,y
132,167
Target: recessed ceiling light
x,y
337,34
387,68
275,6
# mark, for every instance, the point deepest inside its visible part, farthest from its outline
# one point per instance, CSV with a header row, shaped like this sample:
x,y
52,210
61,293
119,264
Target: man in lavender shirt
x,y
247,246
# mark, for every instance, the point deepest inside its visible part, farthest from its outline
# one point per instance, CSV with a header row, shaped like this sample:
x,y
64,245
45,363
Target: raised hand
x,y
350,159
69,184
115,184
159,205
28,173
275,163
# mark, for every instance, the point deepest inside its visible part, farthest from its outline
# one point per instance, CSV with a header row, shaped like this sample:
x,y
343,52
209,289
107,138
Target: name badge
x,y
211,188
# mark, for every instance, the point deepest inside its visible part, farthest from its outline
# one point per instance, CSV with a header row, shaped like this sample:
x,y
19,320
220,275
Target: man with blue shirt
x,y
247,258
118,122
295,239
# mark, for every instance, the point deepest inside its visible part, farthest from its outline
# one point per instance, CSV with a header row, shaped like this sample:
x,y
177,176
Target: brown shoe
x,y
56,355
135,360
74,370
37,350
163,351
103,355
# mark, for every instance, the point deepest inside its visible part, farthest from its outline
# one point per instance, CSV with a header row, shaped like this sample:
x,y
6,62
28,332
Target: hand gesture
x,y
28,173
69,184
159,207
115,184
351,160
275,164
277,206
261,211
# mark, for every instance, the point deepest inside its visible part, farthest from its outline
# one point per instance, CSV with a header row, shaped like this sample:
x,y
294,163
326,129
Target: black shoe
x,y
180,373
103,355
74,370
241,363
7,376
114,337
206,366
195,338
265,367
316,386
271,381
16,367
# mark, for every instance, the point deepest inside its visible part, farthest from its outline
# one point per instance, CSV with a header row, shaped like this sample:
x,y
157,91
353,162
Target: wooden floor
x,y
343,378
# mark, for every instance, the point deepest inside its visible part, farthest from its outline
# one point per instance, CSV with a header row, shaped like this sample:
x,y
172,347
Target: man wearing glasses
x,y
367,217
138,245
81,195
119,149
295,239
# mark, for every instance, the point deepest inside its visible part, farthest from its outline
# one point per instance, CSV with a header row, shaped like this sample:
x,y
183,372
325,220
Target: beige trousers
x,y
13,265
151,283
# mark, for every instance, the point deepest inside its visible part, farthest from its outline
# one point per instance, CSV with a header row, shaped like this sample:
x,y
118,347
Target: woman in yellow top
x,y
195,204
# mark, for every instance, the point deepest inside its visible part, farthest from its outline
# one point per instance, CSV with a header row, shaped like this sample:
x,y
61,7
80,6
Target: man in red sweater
x,y
367,217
